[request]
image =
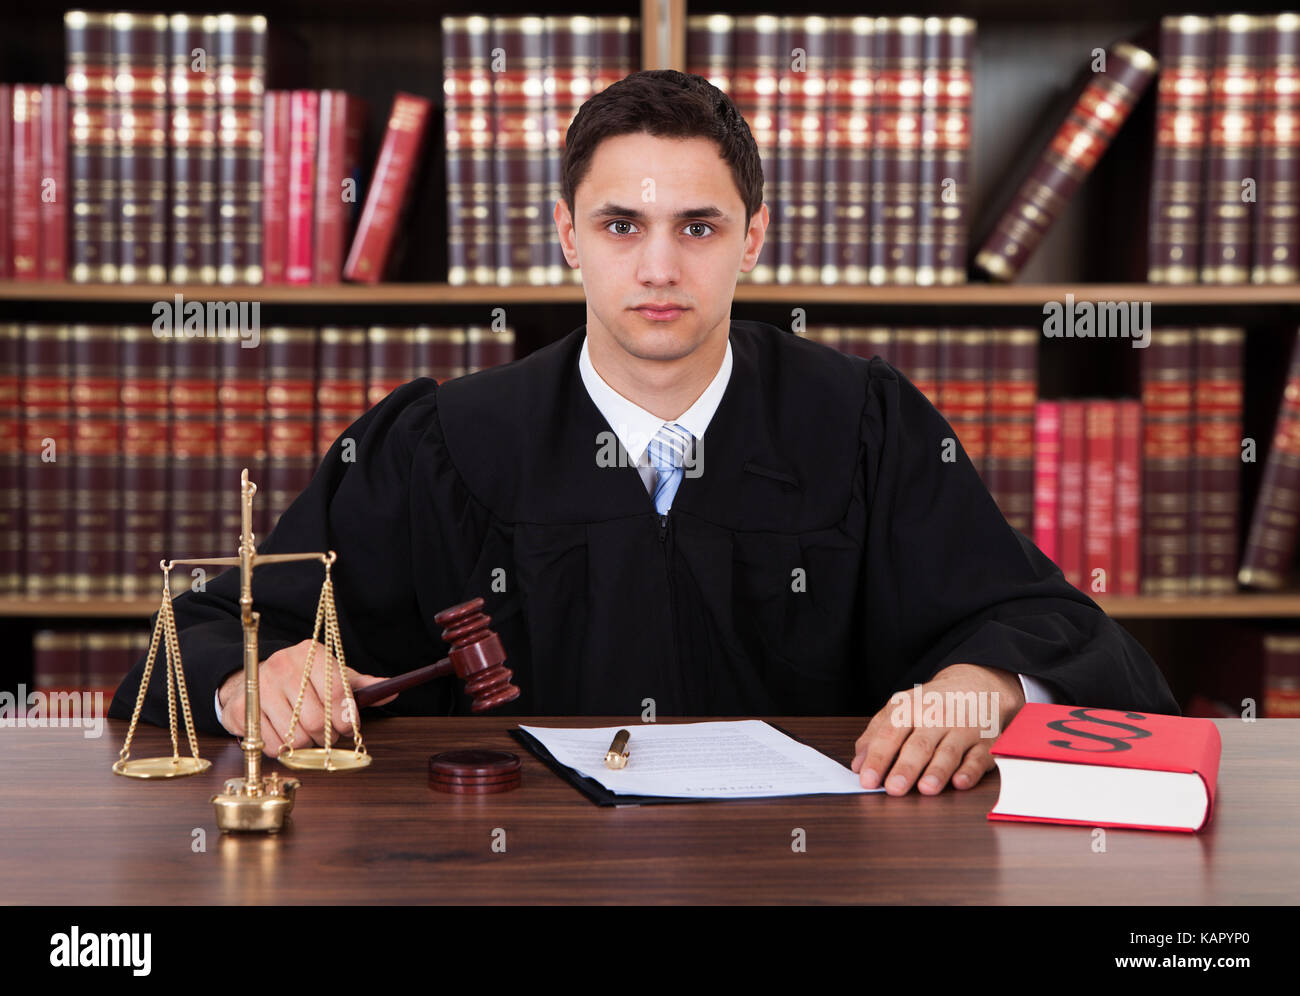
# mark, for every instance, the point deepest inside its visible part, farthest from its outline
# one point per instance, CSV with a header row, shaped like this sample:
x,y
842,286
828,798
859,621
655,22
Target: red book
x,y
6,176
1128,497
390,189
1107,768
304,106
1047,478
1099,513
52,210
275,185
1071,510
25,196
338,160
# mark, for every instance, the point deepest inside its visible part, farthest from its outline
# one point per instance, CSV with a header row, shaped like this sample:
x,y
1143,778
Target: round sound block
x,y
470,772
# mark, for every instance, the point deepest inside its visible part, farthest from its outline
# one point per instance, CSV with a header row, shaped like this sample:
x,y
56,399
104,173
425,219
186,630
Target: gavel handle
x,y
382,689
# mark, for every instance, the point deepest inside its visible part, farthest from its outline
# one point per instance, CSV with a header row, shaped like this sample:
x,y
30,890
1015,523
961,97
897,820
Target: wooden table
x,y
71,832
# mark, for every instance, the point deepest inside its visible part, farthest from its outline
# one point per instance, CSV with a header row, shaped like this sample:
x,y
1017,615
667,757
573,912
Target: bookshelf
x,y
1027,56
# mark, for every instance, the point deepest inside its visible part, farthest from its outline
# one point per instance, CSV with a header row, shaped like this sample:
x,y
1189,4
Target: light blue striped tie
x,y
668,451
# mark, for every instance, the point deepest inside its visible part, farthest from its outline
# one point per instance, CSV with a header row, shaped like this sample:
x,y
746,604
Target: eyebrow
x,y
609,210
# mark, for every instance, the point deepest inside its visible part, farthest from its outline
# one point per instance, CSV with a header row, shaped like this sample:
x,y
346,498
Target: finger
x,y
311,717
885,737
913,757
277,711
947,756
362,680
325,661
978,761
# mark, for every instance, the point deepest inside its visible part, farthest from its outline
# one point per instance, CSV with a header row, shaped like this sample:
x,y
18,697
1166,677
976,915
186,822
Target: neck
x,y
665,388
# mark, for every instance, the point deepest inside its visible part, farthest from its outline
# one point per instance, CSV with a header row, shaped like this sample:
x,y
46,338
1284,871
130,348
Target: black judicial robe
x,y
825,556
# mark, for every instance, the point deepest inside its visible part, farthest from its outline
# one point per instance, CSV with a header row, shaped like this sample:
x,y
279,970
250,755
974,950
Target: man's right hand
x,y
279,677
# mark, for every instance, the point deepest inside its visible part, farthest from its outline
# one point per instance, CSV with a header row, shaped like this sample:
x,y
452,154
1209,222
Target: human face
x,y
659,221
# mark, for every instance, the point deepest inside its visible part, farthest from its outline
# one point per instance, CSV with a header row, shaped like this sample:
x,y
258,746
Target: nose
x,y
658,263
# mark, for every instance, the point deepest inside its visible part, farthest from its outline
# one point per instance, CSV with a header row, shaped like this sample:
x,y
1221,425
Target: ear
x,y
564,228
754,238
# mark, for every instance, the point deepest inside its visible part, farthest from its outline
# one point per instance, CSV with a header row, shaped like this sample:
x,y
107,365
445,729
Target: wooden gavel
x,y
476,657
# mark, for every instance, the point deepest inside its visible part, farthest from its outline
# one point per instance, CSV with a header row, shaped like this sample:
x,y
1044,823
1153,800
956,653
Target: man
x,y
818,555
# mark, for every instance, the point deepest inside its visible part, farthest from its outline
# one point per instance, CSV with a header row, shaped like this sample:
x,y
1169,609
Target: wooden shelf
x,y
973,295
1269,605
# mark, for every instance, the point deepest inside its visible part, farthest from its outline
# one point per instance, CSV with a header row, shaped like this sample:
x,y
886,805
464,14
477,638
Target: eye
x,y
700,224
619,222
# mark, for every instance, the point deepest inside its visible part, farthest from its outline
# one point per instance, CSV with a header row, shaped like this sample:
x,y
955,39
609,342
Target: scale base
x,y
161,767
238,811
323,759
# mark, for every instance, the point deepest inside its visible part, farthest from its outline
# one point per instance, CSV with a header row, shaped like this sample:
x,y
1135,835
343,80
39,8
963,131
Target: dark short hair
x,y
668,104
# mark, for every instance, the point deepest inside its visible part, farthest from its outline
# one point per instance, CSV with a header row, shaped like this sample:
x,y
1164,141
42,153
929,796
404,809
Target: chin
x,y
659,344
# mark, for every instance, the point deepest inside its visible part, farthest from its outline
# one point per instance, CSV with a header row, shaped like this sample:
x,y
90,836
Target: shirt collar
x,y
635,426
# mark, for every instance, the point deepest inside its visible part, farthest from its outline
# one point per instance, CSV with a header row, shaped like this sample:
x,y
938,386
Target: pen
x,y
616,756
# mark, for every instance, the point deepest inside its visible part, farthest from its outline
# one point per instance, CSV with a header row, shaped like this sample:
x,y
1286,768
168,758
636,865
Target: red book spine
x,y
304,111
275,185
390,189
26,193
96,443
11,461
1216,459
1281,674
1099,510
1047,478
1167,380
337,167
963,396
1013,392
1128,497
53,205
6,178
1072,480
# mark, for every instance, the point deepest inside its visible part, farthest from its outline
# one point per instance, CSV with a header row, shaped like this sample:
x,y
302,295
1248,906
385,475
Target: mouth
x,y
661,312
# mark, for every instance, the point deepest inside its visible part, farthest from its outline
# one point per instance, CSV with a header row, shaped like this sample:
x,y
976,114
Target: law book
x,y
241,85
194,484
963,389
95,501
390,360
241,438
1089,128
389,193
446,356
1281,676
92,151
276,139
141,57
895,155
144,386
928,132
1234,81
1128,497
1107,768
46,398
1047,478
1072,510
1271,539
341,383
304,122
56,660
290,412
848,130
1100,570
1168,384
1276,255
192,88
956,96
1012,395
1177,170
52,209
800,115
11,461
1216,459
917,351
338,180
469,125
487,348
25,196
755,81
520,162
6,178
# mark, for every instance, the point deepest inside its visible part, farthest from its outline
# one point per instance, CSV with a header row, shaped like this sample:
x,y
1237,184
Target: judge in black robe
x,y
824,556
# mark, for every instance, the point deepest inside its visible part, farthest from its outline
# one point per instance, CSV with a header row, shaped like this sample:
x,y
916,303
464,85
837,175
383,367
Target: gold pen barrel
x,y
616,756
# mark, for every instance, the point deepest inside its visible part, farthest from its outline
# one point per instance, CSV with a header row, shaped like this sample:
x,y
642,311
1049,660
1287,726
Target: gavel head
x,y
477,655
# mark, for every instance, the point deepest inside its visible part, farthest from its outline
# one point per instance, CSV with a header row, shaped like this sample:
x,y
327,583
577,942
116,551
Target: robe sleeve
x,y
949,580
375,498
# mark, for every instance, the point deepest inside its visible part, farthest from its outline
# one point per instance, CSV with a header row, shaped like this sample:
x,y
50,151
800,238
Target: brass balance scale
x,y
253,802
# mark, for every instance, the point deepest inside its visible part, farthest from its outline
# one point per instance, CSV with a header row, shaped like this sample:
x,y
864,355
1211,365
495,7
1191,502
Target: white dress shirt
x,y
635,427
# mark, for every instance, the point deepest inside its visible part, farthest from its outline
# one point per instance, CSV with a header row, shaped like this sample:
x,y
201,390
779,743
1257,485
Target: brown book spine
x,y
390,190
390,361
338,175
25,228
46,399
141,52
1276,258
53,205
1177,180
1013,395
886,43
6,179
928,204
290,409
486,348
1089,128
963,389
1216,459
195,484
901,81
96,449
470,126
520,164
241,434
92,155
754,81
241,85
11,461
1281,676
194,124
1271,540
846,178
56,661
955,112
1234,81
1168,369
146,443
917,352
341,390
800,117
447,354
275,185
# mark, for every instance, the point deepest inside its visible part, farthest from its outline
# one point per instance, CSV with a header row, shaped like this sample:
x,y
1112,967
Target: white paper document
x,y
723,760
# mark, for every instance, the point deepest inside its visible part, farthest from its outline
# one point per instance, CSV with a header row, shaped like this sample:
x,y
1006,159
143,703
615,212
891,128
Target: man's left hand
x,y
935,753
